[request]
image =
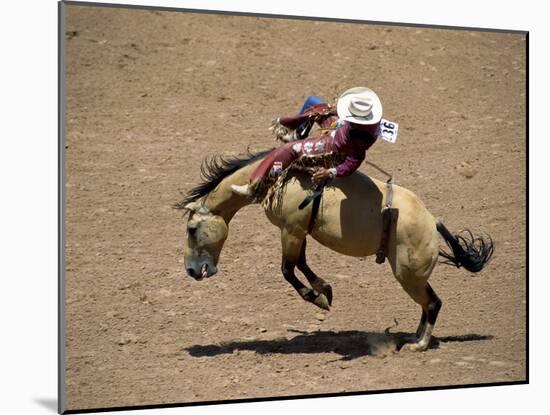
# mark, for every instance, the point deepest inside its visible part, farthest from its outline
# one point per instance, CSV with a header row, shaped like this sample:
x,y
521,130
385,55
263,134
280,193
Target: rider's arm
x,y
354,149
350,164
294,121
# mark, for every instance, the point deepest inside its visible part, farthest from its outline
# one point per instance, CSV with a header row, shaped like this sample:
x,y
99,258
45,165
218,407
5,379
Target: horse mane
x,y
214,170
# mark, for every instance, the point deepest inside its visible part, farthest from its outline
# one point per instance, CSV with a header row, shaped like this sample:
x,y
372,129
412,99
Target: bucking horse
x,y
349,221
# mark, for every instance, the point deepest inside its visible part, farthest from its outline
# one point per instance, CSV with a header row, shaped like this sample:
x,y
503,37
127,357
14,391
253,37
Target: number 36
x,y
388,127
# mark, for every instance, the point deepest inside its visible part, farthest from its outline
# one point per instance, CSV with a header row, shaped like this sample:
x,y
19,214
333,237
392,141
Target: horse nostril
x,y
191,272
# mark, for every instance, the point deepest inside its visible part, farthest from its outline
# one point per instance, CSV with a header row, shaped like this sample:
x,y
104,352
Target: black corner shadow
x,y
348,344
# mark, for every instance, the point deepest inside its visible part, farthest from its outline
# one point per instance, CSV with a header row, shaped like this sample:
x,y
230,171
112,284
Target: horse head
x,y
206,234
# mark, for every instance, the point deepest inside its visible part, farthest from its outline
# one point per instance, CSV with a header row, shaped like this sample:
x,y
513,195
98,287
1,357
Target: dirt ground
x,y
149,94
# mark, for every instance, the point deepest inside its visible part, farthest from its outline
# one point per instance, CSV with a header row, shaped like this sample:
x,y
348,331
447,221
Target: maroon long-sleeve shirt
x,y
350,141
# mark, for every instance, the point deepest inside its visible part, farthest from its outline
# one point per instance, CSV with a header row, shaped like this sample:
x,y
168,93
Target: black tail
x,y
467,251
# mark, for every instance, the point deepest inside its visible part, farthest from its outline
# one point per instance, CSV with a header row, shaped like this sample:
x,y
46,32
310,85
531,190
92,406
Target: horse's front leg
x,y
317,283
291,254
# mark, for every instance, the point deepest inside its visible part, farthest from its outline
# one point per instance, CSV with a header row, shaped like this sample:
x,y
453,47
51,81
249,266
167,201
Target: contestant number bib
x,y
388,130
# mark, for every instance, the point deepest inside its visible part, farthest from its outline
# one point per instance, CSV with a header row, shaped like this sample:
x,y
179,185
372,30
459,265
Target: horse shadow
x,y
348,344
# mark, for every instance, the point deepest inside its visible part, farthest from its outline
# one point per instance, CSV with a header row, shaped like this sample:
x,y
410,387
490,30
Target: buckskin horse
x,y
349,221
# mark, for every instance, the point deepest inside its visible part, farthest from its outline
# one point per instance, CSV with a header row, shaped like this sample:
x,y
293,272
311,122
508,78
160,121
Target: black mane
x,y
213,171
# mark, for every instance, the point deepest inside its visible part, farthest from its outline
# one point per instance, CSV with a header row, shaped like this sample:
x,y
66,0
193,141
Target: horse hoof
x,y
321,301
415,347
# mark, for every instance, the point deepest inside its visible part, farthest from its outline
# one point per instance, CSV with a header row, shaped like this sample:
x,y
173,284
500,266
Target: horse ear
x,y
196,207
203,210
192,206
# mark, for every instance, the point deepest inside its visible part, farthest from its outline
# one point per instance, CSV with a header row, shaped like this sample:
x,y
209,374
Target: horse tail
x,y
467,251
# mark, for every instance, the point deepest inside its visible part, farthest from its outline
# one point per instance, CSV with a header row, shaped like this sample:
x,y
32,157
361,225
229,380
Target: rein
x,y
316,199
390,177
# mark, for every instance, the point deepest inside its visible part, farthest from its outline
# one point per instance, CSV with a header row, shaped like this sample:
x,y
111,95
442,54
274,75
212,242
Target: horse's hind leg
x,y
291,254
318,284
425,296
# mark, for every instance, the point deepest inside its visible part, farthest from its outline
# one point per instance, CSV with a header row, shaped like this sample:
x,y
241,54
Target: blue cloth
x,y
311,101
303,129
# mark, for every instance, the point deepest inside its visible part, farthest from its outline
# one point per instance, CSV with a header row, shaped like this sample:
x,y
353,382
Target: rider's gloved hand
x,y
281,132
322,175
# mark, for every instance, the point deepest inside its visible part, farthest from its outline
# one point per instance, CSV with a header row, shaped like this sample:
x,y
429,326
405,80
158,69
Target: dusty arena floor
x,y
149,94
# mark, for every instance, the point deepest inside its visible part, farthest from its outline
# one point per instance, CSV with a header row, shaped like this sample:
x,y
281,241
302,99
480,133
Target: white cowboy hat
x,y
359,105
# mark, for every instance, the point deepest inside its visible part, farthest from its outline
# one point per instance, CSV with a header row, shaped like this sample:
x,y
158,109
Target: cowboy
x,y
359,111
